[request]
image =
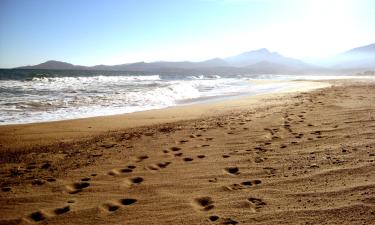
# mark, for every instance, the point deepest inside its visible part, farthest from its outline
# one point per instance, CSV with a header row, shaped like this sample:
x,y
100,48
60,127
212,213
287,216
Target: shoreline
x,y
43,133
261,86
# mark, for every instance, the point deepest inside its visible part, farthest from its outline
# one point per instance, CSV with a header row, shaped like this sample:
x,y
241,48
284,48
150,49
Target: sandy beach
x,y
298,157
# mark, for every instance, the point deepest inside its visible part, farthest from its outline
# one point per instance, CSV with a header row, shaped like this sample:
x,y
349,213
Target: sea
x,y
30,96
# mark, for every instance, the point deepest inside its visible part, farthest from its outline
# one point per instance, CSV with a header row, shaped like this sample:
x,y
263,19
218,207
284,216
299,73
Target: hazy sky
x,y
89,32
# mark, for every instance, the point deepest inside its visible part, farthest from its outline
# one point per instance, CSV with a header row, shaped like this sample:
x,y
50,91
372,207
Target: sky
x,y
91,32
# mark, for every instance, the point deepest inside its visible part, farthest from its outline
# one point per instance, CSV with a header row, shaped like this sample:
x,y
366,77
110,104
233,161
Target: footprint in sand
x,y
114,172
201,156
228,221
62,210
203,203
158,166
46,165
38,182
114,206
128,201
163,165
232,170
110,207
38,216
188,159
256,202
213,218
260,149
318,132
77,187
243,185
152,167
300,135
41,215
128,169
81,185
136,180
6,189
175,149
234,187
247,183
141,158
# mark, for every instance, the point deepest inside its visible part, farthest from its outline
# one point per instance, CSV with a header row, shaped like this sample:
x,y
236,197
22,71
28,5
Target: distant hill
x,y
361,58
55,65
258,61
264,61
262,55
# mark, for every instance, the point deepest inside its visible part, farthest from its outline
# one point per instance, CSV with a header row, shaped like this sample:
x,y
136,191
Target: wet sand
x,y
291,158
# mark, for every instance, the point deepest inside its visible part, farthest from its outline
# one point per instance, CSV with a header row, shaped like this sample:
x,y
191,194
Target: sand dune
x,y
299,158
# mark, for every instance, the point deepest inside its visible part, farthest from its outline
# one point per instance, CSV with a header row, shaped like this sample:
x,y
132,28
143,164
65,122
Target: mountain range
x,y
258,61
361,58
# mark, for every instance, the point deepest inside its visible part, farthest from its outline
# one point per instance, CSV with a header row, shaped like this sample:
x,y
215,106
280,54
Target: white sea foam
x,y
57,98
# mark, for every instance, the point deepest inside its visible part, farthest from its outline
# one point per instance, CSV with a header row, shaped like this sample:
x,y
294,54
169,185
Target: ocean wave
x,y
55,98
100,78
58,98
204,77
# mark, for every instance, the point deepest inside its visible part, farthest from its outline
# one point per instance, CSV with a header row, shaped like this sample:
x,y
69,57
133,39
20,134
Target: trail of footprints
x,y
243,185
42,215
206,204
114,206
79,186
109,207
202,204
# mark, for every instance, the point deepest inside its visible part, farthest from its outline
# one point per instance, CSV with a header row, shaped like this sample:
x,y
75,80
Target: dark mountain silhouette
x,y
55,65
258,61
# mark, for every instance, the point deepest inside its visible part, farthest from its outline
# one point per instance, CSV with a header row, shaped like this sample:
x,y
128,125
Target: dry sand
x,y
292,158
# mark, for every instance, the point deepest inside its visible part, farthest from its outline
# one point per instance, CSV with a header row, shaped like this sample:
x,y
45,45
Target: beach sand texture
x,y
295,158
